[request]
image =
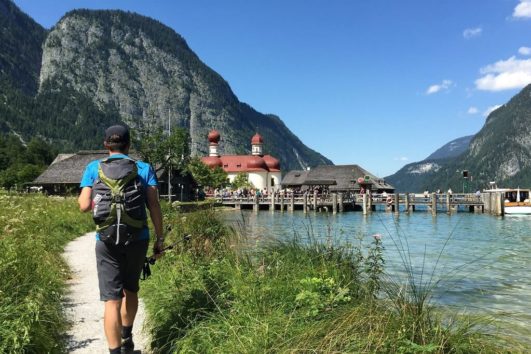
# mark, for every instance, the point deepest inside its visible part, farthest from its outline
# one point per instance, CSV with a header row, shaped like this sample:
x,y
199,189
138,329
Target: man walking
x,y
117,189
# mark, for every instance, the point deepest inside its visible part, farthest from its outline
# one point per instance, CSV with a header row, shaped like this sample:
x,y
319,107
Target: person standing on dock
x,y
117,189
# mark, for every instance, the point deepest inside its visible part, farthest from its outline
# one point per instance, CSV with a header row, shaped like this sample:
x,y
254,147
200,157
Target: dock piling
x,y
397,203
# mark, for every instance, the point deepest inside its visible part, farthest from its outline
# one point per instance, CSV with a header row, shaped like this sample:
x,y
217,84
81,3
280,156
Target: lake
x,y
482,261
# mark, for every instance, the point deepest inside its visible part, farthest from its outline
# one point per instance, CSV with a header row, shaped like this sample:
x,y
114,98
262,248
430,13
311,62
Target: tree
x,y
242,181
19,163
205,176
163,151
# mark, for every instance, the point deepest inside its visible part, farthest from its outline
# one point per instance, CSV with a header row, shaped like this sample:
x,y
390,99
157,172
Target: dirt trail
x,y
82,305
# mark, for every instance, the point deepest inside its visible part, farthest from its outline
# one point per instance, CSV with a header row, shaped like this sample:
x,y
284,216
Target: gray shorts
x,y
119,268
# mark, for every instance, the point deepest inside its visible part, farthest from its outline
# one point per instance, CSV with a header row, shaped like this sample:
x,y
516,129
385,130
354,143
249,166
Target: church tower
x,y
256,145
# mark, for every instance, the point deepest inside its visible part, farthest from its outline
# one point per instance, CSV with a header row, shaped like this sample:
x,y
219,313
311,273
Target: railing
x,y
389,199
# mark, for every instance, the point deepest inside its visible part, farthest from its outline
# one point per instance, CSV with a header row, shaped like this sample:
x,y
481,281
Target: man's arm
x,y
156,216
84,200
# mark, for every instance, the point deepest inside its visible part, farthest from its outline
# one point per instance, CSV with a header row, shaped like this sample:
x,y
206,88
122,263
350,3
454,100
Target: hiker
x,y
122,233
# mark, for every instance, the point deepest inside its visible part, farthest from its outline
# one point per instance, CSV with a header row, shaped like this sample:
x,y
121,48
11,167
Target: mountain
x,y
21,39
453,149
96,68
139,71
499,152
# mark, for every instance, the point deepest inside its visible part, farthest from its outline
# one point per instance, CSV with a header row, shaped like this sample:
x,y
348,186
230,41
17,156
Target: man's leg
x,y
112,323
129,308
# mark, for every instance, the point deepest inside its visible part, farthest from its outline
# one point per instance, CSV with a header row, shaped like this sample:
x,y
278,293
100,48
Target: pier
x,y
397,202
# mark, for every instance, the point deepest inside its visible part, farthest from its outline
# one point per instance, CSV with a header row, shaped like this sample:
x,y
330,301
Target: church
x,y
263,171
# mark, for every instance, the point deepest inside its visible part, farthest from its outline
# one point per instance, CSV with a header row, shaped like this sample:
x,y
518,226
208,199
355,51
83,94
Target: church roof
x,y
244,163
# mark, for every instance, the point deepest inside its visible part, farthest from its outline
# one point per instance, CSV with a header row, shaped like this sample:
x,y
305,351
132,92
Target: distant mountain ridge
x,y
101,67
499,152
452,149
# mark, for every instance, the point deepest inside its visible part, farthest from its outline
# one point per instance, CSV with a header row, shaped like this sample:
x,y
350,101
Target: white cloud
x,y
472,110
445,85
472,32
524,51
505,75
401,158
523,9
491,109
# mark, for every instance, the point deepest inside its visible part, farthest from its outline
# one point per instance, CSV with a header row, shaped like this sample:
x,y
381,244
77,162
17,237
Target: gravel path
x,y
82,305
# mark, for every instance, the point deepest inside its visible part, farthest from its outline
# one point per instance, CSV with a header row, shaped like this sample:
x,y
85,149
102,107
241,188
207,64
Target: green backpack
x,y
119,205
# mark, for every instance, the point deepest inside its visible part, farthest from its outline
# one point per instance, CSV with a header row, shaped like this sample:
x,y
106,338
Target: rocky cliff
x,y
144,71
20,48
500,152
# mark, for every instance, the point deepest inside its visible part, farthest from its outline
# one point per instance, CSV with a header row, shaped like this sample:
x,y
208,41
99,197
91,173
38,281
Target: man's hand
x,y
158,246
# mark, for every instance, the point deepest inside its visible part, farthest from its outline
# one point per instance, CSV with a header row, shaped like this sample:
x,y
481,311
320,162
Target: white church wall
x,y
258,179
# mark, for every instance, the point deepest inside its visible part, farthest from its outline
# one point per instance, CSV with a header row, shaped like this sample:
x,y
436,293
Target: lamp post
x,y
465,181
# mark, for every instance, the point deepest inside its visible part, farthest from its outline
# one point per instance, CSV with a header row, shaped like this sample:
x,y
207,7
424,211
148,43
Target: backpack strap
x,y
116,185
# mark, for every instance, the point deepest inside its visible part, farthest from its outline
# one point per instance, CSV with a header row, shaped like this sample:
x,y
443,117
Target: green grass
x,y
33,232
223,294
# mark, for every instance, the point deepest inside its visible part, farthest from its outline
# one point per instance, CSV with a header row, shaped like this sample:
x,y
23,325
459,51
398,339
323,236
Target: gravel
x,y
82,305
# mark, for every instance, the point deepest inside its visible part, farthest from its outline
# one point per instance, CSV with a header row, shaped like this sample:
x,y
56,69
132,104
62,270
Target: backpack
x,y
119,205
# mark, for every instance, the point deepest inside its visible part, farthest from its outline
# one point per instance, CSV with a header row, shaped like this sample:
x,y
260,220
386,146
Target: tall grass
x,y
220,295
33,232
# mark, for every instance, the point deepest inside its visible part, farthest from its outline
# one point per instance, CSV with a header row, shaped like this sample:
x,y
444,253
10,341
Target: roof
x,y
341,177
69,169
245,163
294,178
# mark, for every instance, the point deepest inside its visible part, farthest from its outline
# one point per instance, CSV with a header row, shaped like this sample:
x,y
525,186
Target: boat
x,y
516,201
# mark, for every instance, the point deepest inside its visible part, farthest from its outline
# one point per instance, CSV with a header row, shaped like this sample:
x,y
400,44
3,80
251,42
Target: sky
x,y
374,83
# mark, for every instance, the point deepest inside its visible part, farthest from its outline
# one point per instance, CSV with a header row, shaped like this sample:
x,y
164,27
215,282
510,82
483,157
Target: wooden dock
x,y
398,202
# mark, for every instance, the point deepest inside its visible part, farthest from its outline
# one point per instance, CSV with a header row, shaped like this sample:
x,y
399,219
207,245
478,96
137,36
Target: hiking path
x,y
82,304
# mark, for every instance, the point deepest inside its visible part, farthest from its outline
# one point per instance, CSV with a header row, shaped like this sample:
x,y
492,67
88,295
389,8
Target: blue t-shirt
x,y
145,173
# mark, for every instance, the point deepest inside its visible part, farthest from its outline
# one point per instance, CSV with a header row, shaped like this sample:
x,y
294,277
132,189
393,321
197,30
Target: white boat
x,y
516,201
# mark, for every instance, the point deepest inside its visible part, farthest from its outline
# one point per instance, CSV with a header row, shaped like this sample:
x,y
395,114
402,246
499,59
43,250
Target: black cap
x,y
117,134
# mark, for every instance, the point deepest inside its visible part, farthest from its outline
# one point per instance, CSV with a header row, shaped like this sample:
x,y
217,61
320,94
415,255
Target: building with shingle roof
x,y
340,178
65,172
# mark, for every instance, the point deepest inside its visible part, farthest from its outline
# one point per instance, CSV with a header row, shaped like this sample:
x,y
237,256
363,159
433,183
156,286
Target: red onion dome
x,y
256,162
257,139
212,161
213,136
271,162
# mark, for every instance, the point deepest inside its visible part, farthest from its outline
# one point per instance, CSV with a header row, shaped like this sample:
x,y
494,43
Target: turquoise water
x,y
480,262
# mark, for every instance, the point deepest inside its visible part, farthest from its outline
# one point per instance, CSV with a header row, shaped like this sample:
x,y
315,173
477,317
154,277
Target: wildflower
x,y
377,237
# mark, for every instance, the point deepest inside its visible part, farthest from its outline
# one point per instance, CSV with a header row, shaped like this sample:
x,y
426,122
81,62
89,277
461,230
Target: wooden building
x,y
64,175
341,178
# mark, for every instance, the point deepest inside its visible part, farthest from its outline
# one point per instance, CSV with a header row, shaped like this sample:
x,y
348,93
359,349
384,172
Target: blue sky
x,y
377,83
